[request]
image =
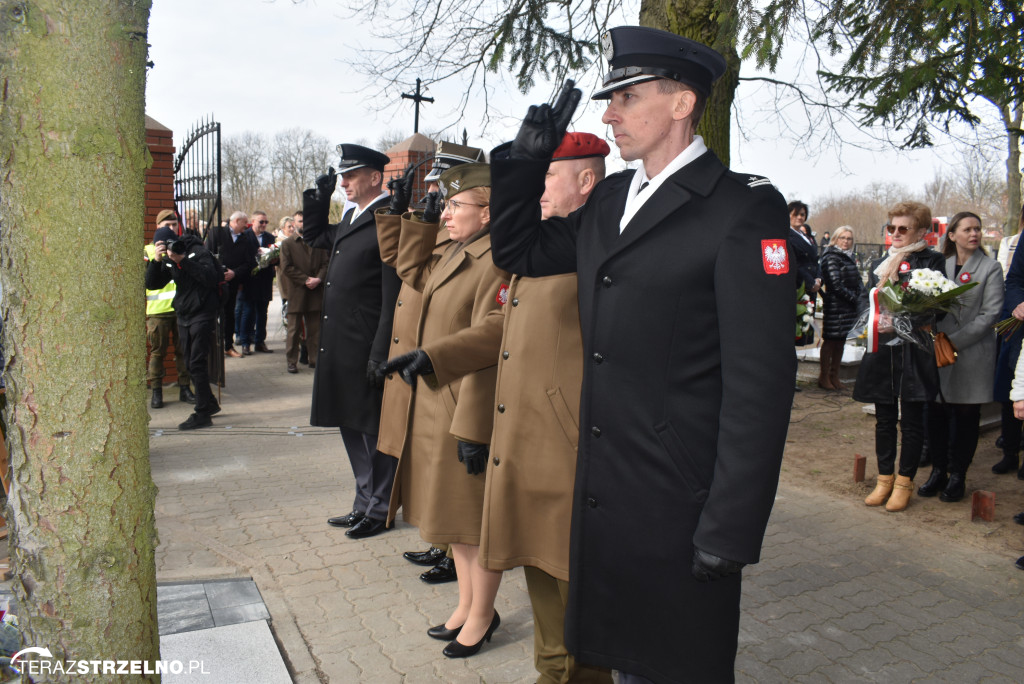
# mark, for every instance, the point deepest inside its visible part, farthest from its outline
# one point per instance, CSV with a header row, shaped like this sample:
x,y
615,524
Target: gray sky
x,y
268,66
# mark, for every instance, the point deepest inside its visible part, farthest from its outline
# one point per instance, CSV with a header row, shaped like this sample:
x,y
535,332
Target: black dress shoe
x,y
214,410
346,520
1005,466
936,482
443,633
367,527
158,398
457,650
186,395
1020,563
954,491
262,347
1019,518
428,557
196,421
443,572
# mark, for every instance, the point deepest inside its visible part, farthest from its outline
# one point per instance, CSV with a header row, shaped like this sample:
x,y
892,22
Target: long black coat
x,y
687,386
260,287
355,324
842,287
805,260
904,371
1009,347
238,255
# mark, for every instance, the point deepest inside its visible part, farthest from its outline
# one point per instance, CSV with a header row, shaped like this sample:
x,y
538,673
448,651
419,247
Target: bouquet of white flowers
x,y
908,307
268,256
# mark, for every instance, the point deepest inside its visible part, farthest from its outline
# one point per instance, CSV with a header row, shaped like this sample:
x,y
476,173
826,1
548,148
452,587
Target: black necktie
x,y
643,186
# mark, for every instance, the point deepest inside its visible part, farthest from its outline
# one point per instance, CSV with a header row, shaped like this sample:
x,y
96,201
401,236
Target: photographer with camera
x,y
196,275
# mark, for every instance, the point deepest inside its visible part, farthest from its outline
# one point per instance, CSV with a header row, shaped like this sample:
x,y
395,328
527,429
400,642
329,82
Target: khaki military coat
x,y
459,328
528,495
298,262
394,412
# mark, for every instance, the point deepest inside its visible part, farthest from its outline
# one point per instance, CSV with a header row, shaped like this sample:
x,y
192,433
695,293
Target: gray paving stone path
x,y
843,593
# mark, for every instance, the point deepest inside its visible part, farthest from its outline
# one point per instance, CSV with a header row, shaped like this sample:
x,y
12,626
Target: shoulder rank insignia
x,y
757,181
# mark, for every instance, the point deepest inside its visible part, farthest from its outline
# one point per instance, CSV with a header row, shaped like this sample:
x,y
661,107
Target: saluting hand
x,y
544,126
474,456
325,185
401,191
432,207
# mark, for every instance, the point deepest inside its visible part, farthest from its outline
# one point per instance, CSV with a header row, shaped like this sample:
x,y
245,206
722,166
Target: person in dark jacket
x,y
686,297
805,259
899,379
196,302
236,249
254,299
842,286
1009,351
355,329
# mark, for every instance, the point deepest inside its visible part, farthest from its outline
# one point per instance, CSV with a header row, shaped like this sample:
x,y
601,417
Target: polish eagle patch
x,y
502,297
775,257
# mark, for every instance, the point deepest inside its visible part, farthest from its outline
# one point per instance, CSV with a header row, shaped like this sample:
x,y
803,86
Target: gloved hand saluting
x,y
474,456
408,366
401,191
708,568
432,207
316,202
544,126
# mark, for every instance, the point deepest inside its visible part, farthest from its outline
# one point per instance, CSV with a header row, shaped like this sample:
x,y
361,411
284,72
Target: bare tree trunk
x,y
72,157
714,23
1012,118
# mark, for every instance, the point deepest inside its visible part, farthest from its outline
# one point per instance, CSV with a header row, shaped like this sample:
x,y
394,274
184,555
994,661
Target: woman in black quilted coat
x,y
842,285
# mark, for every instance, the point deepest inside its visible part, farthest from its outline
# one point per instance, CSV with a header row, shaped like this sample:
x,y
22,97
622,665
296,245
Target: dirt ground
x,y
827,429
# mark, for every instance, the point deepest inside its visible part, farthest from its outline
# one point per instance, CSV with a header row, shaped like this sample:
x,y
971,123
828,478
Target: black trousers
x,y
953,435
374,473
1011,431
911,425
196,340
227,316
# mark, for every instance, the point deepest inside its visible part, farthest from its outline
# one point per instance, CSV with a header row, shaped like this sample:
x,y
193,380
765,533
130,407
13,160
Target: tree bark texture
x,y
72,157
1012,115
713,23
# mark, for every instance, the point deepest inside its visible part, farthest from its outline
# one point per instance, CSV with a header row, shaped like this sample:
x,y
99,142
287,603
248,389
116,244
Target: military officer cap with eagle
x,y
637,54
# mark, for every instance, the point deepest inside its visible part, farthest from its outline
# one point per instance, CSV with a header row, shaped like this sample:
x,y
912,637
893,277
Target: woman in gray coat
x,y
967,384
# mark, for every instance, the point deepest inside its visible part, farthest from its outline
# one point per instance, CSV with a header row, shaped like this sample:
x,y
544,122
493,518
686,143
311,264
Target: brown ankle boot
x,y
837,360
882,490
824,364
902,489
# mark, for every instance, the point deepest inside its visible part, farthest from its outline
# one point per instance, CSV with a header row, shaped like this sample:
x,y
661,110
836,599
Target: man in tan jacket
x,y
528,497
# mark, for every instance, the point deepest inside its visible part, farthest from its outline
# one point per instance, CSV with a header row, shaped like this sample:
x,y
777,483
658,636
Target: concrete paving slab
x,y
236,654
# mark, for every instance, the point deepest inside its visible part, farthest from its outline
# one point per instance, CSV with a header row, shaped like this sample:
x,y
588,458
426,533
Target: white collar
x,y
359,210
636,199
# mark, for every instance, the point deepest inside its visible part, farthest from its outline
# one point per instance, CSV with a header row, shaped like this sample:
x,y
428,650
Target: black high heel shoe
x,y
457,650
443,633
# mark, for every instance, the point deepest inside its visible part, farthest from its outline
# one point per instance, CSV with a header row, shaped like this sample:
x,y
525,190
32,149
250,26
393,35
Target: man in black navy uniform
x,y
686,309
355,329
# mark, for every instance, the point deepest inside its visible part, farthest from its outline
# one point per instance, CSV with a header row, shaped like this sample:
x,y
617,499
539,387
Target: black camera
x,y
175,246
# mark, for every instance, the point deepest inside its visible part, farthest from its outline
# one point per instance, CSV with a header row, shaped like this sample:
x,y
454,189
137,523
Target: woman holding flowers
x,y
899,379
966,384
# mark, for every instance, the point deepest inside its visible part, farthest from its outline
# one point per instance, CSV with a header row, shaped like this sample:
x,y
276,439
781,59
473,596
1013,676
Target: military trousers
x,y
162,332
554,663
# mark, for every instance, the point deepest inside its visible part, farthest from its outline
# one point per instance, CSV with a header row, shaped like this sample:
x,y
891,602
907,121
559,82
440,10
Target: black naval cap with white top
x,y
637,54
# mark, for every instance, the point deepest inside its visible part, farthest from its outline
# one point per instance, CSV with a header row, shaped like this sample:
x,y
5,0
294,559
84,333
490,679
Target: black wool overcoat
x,y
355,319
688,382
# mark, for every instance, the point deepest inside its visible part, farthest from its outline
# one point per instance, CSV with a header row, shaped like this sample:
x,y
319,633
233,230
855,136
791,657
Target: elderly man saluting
x,y
686,310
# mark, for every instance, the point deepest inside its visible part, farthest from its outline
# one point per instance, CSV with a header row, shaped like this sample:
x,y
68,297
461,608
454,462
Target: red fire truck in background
x,y
932,237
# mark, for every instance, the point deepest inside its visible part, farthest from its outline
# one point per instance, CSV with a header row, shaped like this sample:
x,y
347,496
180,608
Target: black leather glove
x,y
374,378
401,191
408,366
544,126
325,185
708,568
432,207
474,456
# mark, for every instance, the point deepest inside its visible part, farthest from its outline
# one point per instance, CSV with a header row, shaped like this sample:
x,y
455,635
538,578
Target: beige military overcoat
x,y
528,496
459,328
397,402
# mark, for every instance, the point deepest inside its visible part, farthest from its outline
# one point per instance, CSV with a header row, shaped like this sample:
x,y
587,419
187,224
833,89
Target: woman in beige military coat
x,y
440,482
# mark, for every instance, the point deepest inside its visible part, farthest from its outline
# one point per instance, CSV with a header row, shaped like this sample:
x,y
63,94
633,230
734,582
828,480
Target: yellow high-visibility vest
x,y
158,301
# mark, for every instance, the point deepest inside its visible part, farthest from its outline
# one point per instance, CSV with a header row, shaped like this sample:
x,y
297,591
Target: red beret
x,y
581,146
